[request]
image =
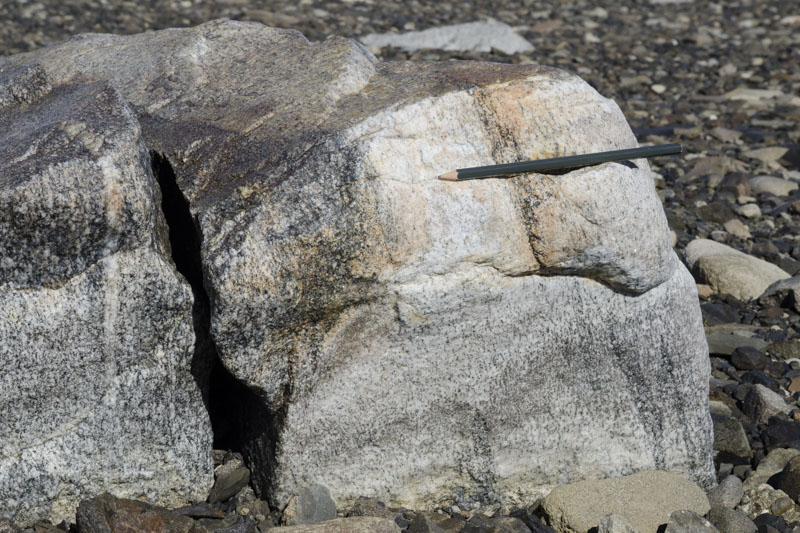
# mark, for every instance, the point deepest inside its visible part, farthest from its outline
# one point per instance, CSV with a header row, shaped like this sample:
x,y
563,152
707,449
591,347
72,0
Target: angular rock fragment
x,y
761,403
689,522
513,331
107,514
95,323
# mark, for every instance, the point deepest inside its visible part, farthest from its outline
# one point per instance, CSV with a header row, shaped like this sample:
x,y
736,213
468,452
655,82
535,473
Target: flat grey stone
x,y
645,500
472,36
725,343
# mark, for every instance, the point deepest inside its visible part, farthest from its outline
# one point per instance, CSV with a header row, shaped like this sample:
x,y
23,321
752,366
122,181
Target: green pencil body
x,y
573,161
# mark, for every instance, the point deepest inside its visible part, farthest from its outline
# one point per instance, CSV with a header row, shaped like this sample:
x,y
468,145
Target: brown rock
x,y
108,514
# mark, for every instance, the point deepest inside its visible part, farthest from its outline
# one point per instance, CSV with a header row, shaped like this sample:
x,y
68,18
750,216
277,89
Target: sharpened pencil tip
x,y
449,176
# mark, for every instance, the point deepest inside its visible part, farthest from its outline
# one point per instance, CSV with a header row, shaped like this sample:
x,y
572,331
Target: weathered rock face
x,y
411,339
95,323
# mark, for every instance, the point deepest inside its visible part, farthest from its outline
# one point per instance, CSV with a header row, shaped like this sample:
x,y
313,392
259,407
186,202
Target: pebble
x,y
736,228
728,493
749,211
772,185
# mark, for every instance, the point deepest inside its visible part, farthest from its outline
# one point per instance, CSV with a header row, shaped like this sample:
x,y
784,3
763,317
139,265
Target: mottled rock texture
x,y
411,339
95,323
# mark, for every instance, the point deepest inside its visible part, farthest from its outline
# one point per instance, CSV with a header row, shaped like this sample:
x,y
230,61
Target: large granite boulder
x,y
398,336
95,323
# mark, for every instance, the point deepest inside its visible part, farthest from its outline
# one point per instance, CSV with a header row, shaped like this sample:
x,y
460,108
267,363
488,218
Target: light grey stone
x,y
772,185
689,522
95,322
719,408
727,494
749,211
762,403
723,343
731,520
614,523
645,500
346,280
730,271
469,37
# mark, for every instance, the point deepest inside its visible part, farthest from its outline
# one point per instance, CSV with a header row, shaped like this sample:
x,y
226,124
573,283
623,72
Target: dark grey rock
x,y
731,441
785,293
228,483
728,493
782,433
731,520
688,522
761,403
310,505
788,480
749,358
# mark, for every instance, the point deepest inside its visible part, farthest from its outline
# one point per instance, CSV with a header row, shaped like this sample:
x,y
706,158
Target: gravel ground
x,y
681,72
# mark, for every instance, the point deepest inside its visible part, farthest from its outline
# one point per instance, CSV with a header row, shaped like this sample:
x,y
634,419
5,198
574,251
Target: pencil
x,y
573,161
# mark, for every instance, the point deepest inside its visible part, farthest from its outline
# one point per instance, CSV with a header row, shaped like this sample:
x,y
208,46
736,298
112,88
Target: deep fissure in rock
x,y
239,418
